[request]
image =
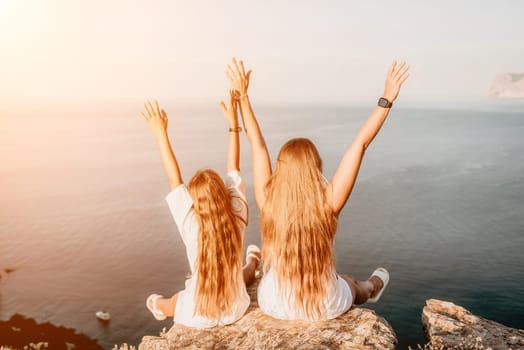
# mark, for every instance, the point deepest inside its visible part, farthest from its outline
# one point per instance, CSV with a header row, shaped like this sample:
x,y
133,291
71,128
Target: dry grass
x,y
467,344
123,347
30,346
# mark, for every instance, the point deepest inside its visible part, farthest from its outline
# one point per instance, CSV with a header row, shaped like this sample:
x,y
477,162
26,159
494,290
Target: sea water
x,y
439,201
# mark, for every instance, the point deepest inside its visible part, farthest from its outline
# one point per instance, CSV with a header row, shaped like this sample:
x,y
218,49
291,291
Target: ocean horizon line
x,y
479,104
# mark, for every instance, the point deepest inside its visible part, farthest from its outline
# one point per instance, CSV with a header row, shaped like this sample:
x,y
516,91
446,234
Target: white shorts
x,y
185,307
338,300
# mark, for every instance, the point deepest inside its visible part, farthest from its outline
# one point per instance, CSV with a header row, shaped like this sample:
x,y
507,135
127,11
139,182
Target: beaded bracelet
x,y
237,129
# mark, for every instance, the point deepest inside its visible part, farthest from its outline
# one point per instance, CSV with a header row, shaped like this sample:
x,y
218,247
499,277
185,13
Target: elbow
x,y
261,144
256,140
258,144
362,144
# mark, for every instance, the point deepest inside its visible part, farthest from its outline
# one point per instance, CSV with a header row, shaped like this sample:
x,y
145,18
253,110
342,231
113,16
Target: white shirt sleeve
x,y
237,190
180,204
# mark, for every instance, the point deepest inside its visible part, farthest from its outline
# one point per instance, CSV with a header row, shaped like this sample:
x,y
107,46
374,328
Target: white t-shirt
x,y
181,206
281,305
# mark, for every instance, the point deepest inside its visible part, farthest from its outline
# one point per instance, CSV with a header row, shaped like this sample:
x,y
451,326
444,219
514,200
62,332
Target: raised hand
x,y
261,163
397,74
230,112
344,179
238,77
155,118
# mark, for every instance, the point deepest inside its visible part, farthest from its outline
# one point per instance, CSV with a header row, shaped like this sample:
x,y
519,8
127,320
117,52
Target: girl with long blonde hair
x,y
211,217
299,211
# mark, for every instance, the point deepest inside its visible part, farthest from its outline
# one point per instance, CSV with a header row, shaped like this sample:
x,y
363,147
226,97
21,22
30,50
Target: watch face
x,y
383,102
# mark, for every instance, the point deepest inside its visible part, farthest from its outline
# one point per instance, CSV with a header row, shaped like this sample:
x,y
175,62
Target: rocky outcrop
x,y
357,329
21,332
509,85
453,327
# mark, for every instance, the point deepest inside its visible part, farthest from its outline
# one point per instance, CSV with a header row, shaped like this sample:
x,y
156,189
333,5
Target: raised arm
x,y
156,119
261,162
233,146
342,183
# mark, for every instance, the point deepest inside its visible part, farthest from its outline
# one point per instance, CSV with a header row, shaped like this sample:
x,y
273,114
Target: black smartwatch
x,y
383,102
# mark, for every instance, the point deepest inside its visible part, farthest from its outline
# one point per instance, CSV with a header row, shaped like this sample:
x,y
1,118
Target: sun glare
x,y
7,5
10,14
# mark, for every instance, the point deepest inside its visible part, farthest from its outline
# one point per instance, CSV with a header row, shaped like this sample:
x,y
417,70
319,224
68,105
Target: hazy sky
x,y
301,51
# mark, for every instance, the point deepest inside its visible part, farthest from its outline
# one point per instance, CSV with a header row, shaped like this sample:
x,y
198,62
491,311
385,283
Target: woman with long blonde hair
x,y
211,217
299,211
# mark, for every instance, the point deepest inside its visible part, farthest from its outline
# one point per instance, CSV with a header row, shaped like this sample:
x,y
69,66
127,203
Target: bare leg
x,y
363,290
167,305
250,268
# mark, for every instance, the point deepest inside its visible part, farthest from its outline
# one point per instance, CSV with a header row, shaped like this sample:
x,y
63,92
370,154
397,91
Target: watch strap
x,y
384,102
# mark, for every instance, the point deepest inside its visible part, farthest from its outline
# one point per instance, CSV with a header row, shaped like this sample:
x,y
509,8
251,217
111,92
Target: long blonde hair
x,y
219,257
298,227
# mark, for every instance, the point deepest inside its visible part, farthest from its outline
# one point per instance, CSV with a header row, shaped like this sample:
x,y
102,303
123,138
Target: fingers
x,y
398,68
144,116
235,94
231,99
242,68
238,71
223,106
235,71
230,71
401,72
392,67
230,110
237,74
403,77
247,78
233,75
149,112
153,111
229,75
151,108
158,109
398,72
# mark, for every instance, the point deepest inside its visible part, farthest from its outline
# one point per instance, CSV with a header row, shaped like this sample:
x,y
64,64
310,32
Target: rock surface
x,y
357,329
21,332
509,85
452,326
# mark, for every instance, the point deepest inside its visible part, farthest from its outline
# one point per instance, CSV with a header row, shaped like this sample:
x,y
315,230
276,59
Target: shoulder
x,y
180,204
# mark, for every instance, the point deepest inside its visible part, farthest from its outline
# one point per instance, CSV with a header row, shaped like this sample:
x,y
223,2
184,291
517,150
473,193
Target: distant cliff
x,y
508,85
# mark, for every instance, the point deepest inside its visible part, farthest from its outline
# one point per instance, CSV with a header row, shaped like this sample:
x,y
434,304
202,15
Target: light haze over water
x,y
440,196
439,201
